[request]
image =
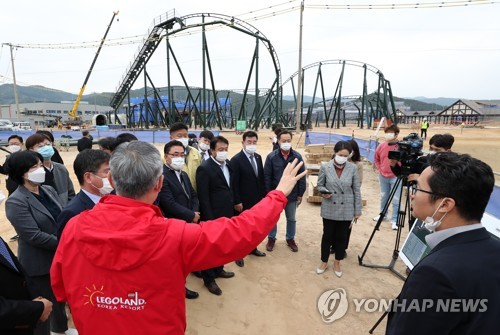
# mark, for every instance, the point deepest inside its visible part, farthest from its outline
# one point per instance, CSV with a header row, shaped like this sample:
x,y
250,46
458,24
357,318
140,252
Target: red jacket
x,y
122,266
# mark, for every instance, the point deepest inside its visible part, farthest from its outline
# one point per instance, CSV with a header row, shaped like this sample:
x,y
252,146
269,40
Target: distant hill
x,y
439,101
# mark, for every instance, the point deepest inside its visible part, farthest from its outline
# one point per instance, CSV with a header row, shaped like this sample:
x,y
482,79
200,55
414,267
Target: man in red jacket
x,y
122,266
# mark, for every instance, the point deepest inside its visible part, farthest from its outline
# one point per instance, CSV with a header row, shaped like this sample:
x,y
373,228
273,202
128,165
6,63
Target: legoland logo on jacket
x,y
97,298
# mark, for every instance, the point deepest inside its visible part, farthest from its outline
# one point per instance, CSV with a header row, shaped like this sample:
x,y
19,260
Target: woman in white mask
x,y
33,209
338,182
57,175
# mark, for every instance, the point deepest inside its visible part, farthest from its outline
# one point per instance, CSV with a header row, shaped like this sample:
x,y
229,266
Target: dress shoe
x,y
319,270
197,274
225,274
240,262
191,294
258,253
214,288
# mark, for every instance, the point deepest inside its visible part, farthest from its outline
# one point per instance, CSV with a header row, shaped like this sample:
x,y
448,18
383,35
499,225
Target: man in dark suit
x,y
455,289
216,199
85,142
19,311
91,168
248,179
177,198
203,145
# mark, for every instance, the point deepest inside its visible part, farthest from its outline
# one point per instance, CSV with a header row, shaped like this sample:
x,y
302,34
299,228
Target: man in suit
x,y
276,163
19,311
91,169
177,198
248,179
216,199
463,267
204,144
85,142
179,132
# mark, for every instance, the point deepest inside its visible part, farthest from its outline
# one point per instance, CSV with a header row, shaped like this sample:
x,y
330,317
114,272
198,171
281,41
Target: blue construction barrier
x,y
151,136
367,150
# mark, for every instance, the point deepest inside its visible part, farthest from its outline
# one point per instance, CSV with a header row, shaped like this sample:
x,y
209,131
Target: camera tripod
x,y
402,212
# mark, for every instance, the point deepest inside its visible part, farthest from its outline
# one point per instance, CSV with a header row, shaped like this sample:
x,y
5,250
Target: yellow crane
x,y
73,112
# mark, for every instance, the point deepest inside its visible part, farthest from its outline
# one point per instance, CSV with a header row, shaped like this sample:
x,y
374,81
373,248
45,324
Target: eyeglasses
x,y
414,190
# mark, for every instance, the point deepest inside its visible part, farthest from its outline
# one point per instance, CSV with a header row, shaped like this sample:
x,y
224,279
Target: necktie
x,y
5,253
252,161
183,185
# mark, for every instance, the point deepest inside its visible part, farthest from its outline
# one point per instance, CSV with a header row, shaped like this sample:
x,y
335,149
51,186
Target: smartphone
x,y
325,192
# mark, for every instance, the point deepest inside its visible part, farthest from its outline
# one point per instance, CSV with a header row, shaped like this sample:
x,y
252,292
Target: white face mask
x,y
389,136
340,159
184,141
221,156
251,148
203,146
14,148
37,176
106,186
177,163
286,146
432,225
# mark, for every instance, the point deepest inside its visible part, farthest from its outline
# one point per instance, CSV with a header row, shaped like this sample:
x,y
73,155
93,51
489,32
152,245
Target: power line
x,y
265,13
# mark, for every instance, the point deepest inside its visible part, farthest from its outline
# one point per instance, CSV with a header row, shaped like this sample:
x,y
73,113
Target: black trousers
x,y
58,320
336,233
423,133
209,275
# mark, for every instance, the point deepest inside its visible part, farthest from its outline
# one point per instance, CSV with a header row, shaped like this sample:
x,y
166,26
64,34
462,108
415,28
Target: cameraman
x,y
437,144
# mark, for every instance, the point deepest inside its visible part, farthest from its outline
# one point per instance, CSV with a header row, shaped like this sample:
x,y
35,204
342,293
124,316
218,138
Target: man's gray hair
x,y
135,167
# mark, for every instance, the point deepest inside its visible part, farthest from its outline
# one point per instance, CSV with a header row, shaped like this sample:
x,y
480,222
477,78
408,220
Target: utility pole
x,y
298,113
15,83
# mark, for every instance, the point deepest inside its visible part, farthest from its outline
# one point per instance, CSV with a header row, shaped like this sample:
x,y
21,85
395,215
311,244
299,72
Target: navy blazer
x,y
214,194
81,202
173,201
18,313
465,265
248,189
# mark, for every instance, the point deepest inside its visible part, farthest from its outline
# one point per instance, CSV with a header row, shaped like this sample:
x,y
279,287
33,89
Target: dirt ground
x,y
279,293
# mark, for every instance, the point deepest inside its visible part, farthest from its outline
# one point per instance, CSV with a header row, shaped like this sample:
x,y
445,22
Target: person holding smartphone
x,y
338,183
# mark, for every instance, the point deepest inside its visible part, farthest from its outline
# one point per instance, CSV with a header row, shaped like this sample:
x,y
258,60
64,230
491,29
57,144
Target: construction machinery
x,y
73,113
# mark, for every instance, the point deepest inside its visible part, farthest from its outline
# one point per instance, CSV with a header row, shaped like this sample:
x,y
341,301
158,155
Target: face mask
x,y
37,176
430,224
177,163
47,151
285,146
106,186
203,146
221,156
389,136
14,148
432,152
340,160
251,149
184,141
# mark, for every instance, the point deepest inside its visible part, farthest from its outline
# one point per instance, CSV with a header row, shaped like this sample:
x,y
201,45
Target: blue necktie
x,y
5,253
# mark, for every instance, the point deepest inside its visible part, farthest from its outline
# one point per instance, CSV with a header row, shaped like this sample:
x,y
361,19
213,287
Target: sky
x,y
433,52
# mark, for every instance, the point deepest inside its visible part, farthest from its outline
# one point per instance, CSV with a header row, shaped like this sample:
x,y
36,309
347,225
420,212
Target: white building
x,y
39,114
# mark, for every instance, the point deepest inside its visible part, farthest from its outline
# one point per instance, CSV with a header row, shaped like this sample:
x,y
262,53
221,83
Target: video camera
x,y
408,151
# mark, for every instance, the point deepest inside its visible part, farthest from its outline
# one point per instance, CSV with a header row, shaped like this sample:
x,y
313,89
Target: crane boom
x,y
72,113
